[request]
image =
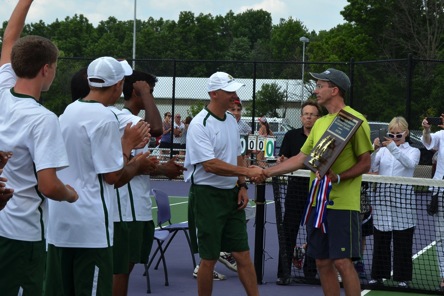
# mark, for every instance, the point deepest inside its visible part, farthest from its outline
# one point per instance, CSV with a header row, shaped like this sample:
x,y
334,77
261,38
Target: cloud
x,y
273,6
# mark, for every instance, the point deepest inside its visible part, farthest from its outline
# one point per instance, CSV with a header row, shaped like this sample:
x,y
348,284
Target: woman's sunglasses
x,y
396,136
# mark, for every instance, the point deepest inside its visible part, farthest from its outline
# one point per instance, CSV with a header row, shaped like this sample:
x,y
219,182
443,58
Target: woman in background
x,y
265,131
394,210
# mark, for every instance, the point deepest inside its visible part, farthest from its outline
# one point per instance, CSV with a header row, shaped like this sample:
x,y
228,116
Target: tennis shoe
x,y
228,260
216,276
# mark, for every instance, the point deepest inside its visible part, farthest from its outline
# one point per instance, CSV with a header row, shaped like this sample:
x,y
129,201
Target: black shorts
x,y
343,237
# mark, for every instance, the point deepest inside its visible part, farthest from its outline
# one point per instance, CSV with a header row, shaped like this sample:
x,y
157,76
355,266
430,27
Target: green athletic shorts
x,y
141,236
83,271
22,267
215,222
343,237
121,248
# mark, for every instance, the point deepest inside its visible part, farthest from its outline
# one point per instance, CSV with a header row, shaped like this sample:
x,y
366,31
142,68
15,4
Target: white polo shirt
x,y
210,137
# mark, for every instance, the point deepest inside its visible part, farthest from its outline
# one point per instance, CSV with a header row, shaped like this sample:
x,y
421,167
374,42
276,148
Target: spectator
x,y
236,110
342,218
27,68
179,127
216,204
244,128
264,131
394,213
166,141
183,142
435,141
6,193
296,197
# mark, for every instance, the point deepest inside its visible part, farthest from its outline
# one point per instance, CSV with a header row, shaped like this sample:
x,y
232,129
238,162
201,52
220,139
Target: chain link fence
x,y
380,89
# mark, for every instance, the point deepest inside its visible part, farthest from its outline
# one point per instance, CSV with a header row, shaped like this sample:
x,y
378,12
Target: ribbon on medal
x,y
319,191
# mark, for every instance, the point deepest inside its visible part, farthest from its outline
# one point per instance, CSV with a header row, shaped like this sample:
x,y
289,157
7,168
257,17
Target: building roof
x,y
196,88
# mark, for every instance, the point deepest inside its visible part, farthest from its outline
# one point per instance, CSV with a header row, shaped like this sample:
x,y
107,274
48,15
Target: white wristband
x,y
339,179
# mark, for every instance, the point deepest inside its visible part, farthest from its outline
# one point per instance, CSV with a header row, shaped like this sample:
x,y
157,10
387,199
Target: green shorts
x,y
343,237
215,222
121,248
141,236
22,266
87,271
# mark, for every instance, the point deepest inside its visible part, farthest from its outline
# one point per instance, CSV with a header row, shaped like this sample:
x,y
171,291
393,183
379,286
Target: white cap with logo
x,y
107,71
223,81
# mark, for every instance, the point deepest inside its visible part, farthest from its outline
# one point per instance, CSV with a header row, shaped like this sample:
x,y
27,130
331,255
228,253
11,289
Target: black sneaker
x,y
283,281
403,284
374,282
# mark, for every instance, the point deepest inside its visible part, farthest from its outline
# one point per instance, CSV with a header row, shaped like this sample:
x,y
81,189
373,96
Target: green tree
x,y
195,108
253,24
268,99
285,44
72,35
400,27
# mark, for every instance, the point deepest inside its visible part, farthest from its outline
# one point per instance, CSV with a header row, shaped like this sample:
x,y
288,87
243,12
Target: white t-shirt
x,y
181,127
92,139
33,134
209,137
121,202
139,206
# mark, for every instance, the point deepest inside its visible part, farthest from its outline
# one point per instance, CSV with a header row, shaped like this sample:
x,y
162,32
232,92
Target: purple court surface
x,y
180,267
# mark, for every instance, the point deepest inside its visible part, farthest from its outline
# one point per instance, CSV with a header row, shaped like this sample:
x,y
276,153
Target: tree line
x,y
374,30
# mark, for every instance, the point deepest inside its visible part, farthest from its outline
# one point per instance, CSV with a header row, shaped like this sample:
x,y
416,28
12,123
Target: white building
x,y
190,90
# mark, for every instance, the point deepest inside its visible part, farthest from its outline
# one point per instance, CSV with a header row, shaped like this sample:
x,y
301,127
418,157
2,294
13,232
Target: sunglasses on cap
x,y
396,136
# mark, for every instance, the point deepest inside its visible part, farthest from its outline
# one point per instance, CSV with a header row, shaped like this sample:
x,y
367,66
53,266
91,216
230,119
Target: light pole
x,y
134,35
303,40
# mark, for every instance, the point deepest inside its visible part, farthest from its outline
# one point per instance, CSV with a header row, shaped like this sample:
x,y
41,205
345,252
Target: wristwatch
x,y
240,185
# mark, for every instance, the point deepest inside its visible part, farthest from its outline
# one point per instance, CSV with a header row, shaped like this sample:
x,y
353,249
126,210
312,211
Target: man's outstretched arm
x,y
14,29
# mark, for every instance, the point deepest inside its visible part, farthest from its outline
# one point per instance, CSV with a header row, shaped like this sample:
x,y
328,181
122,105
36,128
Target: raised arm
x,y
152,114
14,29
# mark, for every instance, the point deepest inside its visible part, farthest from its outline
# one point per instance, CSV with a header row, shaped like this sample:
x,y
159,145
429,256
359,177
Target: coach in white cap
x,y
80,238
218,193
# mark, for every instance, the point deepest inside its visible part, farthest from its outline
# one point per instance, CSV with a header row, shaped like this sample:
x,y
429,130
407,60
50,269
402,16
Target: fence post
x,y
352,80
173,107
409,82
259,232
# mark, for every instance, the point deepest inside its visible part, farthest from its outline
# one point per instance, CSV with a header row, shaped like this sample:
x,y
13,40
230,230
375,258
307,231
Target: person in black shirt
x,y
296,198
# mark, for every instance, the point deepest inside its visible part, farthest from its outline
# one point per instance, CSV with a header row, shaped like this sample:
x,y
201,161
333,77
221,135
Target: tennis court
x,y
180,269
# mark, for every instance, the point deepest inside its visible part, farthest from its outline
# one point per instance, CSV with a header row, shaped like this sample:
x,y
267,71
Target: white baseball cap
x,y
109,70
223,81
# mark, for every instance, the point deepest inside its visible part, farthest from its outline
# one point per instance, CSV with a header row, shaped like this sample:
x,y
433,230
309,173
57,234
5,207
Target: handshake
x,y
256,174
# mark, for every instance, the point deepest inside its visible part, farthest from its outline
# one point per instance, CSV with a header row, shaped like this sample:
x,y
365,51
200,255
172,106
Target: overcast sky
x,y
314,14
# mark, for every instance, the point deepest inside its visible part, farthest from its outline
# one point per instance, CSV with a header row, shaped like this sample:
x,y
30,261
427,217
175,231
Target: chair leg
x,y
159,243
148,283
187,236
166,247
162,257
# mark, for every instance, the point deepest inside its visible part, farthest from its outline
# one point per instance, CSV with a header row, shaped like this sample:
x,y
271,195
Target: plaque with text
x,y
332,142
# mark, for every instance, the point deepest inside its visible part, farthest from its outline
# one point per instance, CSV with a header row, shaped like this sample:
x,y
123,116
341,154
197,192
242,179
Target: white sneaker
x,y
228,260
216,276
339,277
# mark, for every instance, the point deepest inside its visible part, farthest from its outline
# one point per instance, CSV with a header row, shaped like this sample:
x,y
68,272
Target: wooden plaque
x,y
332,142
